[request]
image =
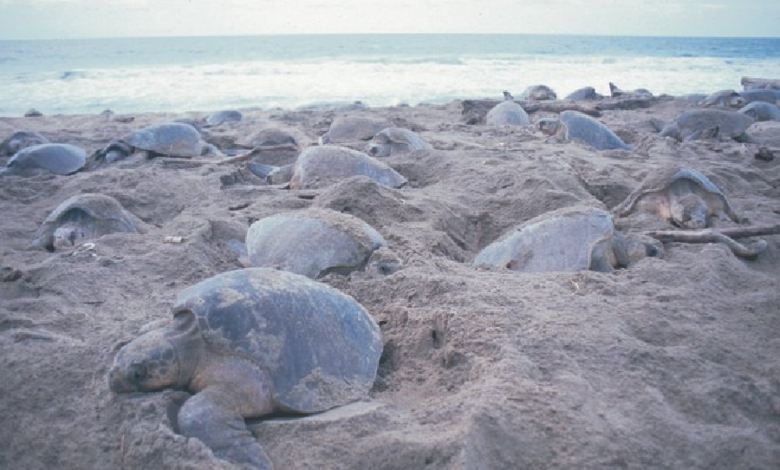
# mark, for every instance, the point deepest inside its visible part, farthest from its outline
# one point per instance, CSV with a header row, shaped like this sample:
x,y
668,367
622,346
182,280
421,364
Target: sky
x,y
60,19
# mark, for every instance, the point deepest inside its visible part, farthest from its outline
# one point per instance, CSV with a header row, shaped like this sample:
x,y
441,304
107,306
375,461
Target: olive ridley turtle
x,y
324,165
723,99
60,159
569,239
174,139
586,93
221,117
312,242
683,196
761,111
707,123
353,128
507,113
395,140
84,217
539,93
249,343
574,125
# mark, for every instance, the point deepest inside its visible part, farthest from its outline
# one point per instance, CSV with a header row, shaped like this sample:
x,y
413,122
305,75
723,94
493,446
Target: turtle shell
x,y
312,242
324,165
539,93
60,159
97,214
761,111
664,179
586,93
583,128
20,140
507,113
221,117
173,139
395,140
352,128
690,124
319,346
568,239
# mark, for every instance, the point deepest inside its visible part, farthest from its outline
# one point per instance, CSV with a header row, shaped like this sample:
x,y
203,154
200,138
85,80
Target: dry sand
x,y
673,363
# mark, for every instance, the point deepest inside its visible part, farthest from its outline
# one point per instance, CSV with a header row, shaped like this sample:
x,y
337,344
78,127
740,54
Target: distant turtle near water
x,y
221,117
707,123
354,128
769,96
723,99
395,140
312,242
20,140
174,139
539,93
565,240
583,94
60,159
761,111
684,196
641,93
574,125
507,113
251,343
83,217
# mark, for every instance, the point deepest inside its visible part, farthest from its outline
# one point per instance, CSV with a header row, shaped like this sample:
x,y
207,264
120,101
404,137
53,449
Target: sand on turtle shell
x,y
672,363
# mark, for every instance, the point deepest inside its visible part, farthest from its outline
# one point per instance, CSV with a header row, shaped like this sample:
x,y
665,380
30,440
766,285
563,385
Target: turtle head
x,y
148,363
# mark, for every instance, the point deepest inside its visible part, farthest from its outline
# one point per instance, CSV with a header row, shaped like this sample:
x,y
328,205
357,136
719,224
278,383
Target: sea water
x,y
212,73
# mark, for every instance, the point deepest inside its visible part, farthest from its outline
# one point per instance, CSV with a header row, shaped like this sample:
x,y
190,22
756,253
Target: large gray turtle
x,y
84,217
769,96
539,93
354,128
19,140
761,111
395,140
707,123
569,239
60,159
723,99
507,113
250,343
684,196
586,93
174,139
324,165
574,125
312,242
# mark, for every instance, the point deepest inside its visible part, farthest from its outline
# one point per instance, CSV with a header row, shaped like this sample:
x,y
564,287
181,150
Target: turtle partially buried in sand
x,y
574,125
394,141
313,243
706,124
684,196
60,159
174,139
84,217
250,343
564,240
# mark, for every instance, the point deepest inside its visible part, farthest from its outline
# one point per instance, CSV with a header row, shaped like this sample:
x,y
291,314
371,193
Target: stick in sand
x,y
725,235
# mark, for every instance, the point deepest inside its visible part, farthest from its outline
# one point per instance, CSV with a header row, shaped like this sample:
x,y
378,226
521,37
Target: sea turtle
x,y
761,111
174,139
249,343
641,93
395,140
587,93
539,93
568,239
323,165
507,113
770,96
221,117
354,128
84,217
312,242
723,99
707,123
684,196
574,125
60,159
19,140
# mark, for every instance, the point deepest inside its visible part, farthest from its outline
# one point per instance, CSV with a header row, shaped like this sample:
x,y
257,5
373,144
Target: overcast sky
x,y
33,19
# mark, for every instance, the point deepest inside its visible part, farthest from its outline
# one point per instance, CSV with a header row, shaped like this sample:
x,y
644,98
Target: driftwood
x,y
760,83
474,111
724,235
256,151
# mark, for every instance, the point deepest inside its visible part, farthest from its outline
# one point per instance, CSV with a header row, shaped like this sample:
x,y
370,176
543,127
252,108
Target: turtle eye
x,y
139,372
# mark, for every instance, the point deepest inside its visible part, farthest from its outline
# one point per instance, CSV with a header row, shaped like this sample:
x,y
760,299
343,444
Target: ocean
x,y
294,71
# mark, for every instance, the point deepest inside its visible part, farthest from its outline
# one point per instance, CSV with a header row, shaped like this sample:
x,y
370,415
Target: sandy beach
x,y
670,363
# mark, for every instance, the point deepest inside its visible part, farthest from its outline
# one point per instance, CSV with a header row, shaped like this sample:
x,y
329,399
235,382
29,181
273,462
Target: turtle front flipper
x,y
209,417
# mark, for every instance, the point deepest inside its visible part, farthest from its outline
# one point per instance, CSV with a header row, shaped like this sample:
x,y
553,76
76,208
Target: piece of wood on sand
x,y
724,235
760,83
